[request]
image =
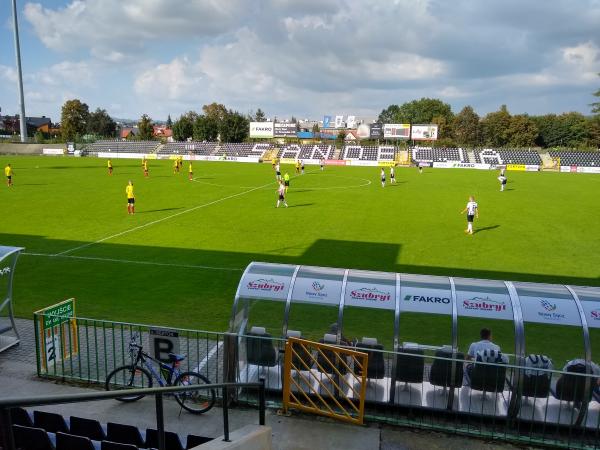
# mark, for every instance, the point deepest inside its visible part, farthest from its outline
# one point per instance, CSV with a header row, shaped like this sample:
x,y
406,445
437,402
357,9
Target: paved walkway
x,y
18,378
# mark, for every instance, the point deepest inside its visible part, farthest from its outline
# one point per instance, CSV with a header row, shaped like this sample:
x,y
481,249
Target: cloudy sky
x,y
304,58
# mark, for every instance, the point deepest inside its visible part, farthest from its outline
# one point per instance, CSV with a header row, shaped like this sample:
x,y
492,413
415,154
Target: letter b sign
x,y
163,342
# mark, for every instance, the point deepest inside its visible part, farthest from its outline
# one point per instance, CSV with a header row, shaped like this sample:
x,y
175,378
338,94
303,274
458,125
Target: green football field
x,y
178,260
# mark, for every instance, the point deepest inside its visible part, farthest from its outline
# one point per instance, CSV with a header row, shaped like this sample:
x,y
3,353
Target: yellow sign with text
x,y
517,167
386,163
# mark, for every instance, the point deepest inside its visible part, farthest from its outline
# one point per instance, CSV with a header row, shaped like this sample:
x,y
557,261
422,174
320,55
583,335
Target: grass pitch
x,y
177,262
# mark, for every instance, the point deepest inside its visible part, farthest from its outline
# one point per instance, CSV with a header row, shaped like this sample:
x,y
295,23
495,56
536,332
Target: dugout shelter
x,y
420,327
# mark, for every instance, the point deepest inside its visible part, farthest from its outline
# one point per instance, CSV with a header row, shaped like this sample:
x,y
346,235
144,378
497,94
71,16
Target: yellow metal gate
x,y
325,379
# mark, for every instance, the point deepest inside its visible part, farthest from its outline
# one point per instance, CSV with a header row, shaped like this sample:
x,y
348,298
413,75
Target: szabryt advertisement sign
x,y
371,295
483,304
261,129
424,132
396,130
265,286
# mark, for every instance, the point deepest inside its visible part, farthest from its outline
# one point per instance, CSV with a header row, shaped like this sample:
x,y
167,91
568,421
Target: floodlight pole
x,y
23,121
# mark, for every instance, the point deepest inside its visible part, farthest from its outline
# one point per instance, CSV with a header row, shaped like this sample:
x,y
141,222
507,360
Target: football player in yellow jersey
x,y
191,172
298,167
110,167
130,198
175,165
9,173
145,165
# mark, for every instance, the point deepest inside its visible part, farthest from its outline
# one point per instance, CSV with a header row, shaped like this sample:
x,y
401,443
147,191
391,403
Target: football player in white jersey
x,y
472,210
382,177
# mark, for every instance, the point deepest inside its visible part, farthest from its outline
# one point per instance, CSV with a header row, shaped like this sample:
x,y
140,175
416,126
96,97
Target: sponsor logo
x,y
372,295
595,314
547,305
4,271
426,299
550,308
266,285
464,165
316,290
484,304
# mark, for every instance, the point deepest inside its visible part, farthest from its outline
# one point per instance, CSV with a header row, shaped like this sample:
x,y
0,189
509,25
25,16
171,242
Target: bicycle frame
x,y
143,357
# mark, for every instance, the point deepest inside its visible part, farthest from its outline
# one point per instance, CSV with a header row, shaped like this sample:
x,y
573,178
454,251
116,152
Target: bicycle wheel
x,y
196,402
128,377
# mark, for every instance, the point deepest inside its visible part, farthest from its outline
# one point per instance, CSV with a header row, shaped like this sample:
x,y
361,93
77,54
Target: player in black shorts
x,y
382,177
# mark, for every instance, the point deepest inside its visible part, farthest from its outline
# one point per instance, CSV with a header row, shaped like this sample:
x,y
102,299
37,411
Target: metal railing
x,y
7,404
397,393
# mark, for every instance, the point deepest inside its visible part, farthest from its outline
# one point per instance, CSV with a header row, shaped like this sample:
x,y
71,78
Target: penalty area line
x,y
154,222
129,261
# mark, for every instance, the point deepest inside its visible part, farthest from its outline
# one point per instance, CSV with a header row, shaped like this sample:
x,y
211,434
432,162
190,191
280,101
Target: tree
x,y
215,110
183,128
206,129
315,128
596,105
467,128
341,136
565,130
100,123
234,127
73,119
522,131
594,132
145,128
495,127
169,122
389,114
260,116
423,111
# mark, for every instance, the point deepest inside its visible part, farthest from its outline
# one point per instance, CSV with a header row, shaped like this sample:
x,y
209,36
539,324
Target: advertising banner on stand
x,y
284,130
396,130
261,129
424,132
58,337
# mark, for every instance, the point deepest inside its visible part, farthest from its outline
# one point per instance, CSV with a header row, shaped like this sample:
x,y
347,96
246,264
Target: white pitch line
x,y
128,261
207,358
154,222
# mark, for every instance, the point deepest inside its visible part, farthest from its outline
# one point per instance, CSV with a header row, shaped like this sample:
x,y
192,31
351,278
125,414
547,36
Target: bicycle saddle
x,y
174,357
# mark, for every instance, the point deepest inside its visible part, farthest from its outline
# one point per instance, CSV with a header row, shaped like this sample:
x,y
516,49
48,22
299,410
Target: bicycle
x,y
140,373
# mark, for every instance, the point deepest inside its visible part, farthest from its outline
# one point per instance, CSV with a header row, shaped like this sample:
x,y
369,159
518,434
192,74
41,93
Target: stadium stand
x,y
185,148
244,149
428,154
296,151
119,146
87,434
507,156
585,159
369,153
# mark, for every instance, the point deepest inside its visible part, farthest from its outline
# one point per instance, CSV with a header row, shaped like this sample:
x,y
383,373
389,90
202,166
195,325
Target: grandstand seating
x,y
296,151
244,149
428,154
369,153
79,433
185,148
118,146
507,156
585,159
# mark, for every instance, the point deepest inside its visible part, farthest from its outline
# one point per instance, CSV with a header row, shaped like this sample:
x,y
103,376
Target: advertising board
x,y
396,130
424,132
261,129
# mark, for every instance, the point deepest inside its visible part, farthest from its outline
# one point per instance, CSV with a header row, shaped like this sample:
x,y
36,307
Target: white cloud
x,y
176,80
8,73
